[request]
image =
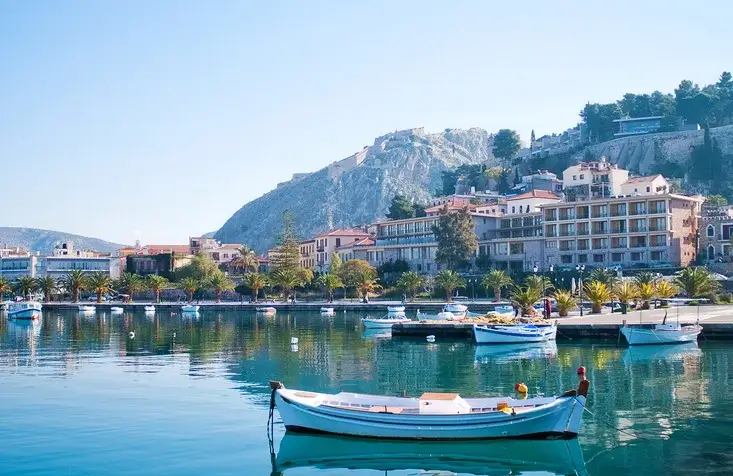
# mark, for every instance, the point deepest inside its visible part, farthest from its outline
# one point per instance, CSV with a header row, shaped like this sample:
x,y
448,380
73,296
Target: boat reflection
x,y
24,327
511,352
646,353
375,334
475,458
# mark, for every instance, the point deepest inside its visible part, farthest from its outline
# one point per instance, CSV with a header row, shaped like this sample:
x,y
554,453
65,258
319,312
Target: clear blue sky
x,y
161,118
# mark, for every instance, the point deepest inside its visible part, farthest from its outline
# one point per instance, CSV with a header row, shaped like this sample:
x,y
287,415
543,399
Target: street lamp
x,y
580,269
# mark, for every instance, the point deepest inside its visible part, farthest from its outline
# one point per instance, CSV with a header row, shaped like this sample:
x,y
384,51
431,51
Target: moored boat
x,y
149,309
327,311
190,308
661,334
395,309
269,310
430,457
514,334
457,309
382,323
116,310
87,309
432,416
441,316
24,310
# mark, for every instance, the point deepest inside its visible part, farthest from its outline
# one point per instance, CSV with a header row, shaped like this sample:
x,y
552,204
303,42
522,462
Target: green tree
x,y
598,294
156,284
400,208
366,282
336,264
456,237
219,284
255,282
716,201
565,303
526,297
189,285
74,282
543,283
506,144
201,267
645,277
625,292
449,281
604,275
245,261
697,282
352,269
99,283
47,285
286,280
646,292
132,283
287,252
5,287
329,282
599,120
411,282
25,286
496,280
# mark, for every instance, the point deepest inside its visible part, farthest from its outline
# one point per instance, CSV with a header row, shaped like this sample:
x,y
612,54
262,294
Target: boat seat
x,y
305,395
438,396
386,409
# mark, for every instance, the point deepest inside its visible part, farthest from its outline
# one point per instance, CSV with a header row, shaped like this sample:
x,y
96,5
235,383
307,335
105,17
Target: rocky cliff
x,y
43,241
357,190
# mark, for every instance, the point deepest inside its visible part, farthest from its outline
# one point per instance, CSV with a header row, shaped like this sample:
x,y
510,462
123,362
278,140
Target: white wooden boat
x,y
661,334
87,309
433,416
327,311
456,309
514,334
441,316
506,309
326,452
116,310
149,309
266,310
24,310
190,308
501,353
382,323
395,309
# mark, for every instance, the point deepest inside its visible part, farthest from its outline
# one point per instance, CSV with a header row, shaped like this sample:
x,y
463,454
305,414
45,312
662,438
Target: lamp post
x,y
580,269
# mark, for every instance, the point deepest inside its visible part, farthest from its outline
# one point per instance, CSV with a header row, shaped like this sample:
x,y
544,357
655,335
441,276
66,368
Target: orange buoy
x,y
521,388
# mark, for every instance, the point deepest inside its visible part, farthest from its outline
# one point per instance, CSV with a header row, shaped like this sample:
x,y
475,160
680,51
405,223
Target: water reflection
x,y
507,352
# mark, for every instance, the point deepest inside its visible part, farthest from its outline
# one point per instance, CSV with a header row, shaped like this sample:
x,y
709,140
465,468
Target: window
x,y
598,258
636,256
566,259
711,231
513,209
648,189
616,257
582,176
582,258
338,242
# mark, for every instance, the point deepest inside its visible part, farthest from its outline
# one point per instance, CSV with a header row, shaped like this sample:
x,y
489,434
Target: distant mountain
x,y
43,241
358,189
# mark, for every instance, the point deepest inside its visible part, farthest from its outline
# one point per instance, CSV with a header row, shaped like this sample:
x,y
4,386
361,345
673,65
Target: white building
x,y
14,267
594,179
222,254
529,202
648,185
59,266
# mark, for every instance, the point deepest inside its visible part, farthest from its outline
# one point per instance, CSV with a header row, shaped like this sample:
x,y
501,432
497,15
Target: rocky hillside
x,y
357,190
43,241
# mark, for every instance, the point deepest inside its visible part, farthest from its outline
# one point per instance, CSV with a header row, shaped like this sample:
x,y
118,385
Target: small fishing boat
x,y
432,416
382,323
266,310
86,309
441,316
395,309
149,309
24,310
661,334
190,308
457,309
328,452
116,310
505,309
514,334
327,311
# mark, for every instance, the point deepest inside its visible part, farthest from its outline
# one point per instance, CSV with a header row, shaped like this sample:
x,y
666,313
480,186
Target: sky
x,y
157,120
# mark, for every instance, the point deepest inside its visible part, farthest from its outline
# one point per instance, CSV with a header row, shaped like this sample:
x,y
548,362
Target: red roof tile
x,y
535,194
341,232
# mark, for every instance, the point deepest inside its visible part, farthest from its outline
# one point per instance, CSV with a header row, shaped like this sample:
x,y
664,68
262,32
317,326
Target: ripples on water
x,y
190,396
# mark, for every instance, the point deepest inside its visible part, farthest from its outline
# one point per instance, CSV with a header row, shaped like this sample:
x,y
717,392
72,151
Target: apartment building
x,y
327,243
13,267
593,179
655,229
517,245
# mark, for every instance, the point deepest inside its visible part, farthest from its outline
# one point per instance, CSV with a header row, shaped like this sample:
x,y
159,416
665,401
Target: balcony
x,y
637,229
638,245
619,245
551,234
600,231
618,230
657,228
567,233
405,241
568,216
600,215
583,247
657,210
618,213
550,217
583,232
637,211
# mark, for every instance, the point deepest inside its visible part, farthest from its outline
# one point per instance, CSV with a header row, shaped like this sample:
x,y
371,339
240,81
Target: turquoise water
x,y
79,396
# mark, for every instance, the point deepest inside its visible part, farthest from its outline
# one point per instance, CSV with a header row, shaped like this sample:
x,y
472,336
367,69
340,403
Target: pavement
x,y
713,314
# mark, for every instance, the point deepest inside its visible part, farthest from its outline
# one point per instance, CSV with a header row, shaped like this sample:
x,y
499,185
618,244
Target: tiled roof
x,y
454,204
645,178
341,232
535,194
156,249
363,242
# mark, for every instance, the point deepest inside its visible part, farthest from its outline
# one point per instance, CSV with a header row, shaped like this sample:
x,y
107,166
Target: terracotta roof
x,y
455,203
362,242
535,194
341,232
156,249
645,178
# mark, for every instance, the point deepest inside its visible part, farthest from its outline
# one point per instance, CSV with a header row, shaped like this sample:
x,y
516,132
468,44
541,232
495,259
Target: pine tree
x,y
456,237
287,254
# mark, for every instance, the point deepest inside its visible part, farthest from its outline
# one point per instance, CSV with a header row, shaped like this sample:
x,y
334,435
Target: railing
x,y
657,228
551,235
599,215
567,217
657,210
618,230
551,218
567,233
404,241
583,217
639,245
637,212
583,232
600,231
637,229
621,213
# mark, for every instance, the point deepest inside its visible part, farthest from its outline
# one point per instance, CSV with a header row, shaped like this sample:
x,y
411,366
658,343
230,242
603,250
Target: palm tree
x,y
597,293
366,282
696,282
646,292
132,283
286,280
543,283
5,286
645,277
255,282
410,281
526,297
156,284
75,281
624,292
666,290
246,260
100,283
496,280
329,282
47,285
190,285
219,283
565,302
26,285
605,276
449,280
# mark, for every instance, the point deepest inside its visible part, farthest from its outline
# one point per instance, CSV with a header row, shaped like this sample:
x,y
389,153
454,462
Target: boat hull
x,y
25,314
559,419
395,309
644,336
513,334
382,323
190,308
